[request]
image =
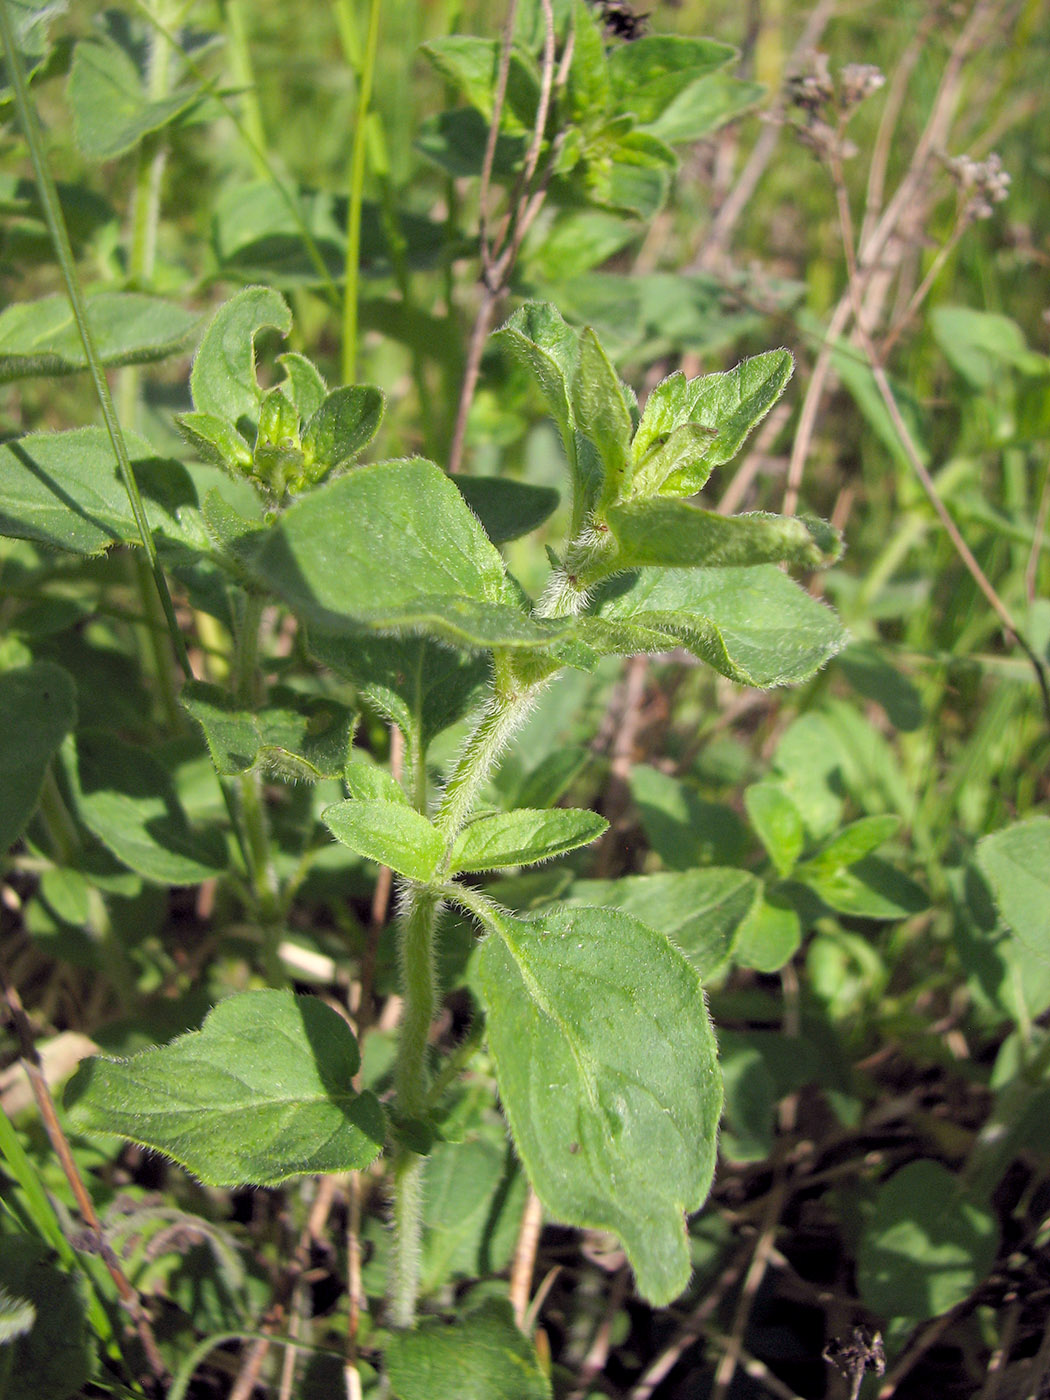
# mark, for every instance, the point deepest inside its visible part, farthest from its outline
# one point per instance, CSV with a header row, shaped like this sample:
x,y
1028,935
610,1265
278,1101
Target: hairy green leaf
x,y
390,833
294,736
676,534
260,1093
608,1073
41,337
479,1356
524,837
222,380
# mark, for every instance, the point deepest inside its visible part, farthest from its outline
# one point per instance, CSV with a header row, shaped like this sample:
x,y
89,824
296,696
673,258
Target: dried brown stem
x,y
731,1356
525,1256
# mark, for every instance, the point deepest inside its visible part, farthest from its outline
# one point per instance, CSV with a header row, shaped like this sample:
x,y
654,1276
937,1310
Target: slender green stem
x,y
408,1232
358,151
63,251
244,76
503,714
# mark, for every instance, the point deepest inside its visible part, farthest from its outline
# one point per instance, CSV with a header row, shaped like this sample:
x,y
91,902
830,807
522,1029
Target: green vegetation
x,y
524,701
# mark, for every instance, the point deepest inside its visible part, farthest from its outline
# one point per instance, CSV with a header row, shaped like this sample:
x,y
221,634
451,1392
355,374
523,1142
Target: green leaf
x,y
551,778
378,541
733,403
925,1246
679,535
277,460
683,828
1016,863
851,844
473,1198
126,798
111,112
777,821
524,837
390,833
479,1356
747,1134
65,490
222,380
681,457
703,107
769,936
978,343
602,415
54,1358
754,625
342,427
472,65
369,781
538,336
590,86
30,20
37,711
41,337
868,889
216,440
294,736
607,1066
507,509
260,1093
303,383
650,72
701,911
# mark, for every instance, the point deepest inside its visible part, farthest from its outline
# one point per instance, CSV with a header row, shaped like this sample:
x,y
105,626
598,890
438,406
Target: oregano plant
x,y
604,1054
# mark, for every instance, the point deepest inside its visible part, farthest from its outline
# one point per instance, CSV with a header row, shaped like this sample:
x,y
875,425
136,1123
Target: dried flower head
x,y
811,88
982,183
856,82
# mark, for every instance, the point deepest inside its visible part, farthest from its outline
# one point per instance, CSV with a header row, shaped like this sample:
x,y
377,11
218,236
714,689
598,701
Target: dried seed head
x,y
983,184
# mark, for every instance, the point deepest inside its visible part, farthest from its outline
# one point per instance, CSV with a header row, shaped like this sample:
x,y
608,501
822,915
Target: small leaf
x,y
216,440
1016,863
42,338
390,833
868,889
524,837
342,427
260,1093
294,736
602,415
111,112
590,87
607,1069
479,1356
472,64
37,711
222,380
681,458
769,936
127,799
369,781
777,821
538,336
679,535
30,22
851,844
303,383
705,106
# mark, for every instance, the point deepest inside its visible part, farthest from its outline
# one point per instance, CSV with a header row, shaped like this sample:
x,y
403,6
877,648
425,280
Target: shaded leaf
x,y
676,534
111,112
37,711
41,337
507,509
293,736
1016,863
479,1356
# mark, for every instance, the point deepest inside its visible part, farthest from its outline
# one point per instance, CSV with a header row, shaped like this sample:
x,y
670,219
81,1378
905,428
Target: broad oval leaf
x,y
222,380
260,1093
343,426
41,337
380,538
37,711
389,833
608,1074
523,837
481,1356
